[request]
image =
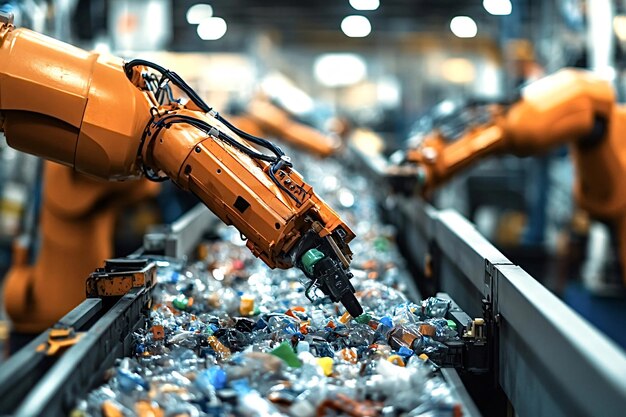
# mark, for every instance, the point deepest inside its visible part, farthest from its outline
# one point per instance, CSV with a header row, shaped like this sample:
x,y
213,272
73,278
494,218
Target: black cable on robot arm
x,y
172,76
199,124
254,139
193,96
275,162
205,127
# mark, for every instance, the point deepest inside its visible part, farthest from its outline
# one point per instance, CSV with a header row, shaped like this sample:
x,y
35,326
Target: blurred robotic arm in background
x,y
264,117
569,107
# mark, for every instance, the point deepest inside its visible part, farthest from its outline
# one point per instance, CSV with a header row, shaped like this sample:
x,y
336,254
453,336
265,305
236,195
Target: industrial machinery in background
x,y
534,335
78,216
265,117
570,107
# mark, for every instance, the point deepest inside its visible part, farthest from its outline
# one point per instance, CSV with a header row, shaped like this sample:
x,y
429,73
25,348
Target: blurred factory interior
x,y
383,76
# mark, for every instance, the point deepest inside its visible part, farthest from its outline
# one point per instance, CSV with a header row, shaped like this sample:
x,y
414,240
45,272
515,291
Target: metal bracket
x,y
488,281
59,338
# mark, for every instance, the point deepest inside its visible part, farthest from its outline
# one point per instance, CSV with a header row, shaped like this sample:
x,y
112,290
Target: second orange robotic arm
x,y
570,107
279,123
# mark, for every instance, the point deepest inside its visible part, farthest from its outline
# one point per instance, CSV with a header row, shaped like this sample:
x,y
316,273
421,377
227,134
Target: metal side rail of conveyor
x,y
65,362
45,377
548,360
179,239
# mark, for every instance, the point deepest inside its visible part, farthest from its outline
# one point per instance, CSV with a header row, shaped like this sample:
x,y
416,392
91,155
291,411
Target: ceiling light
x,y
498,7
339,70
356,26
365,4
212,29
463,27
619,26
458,70
199,12
102,48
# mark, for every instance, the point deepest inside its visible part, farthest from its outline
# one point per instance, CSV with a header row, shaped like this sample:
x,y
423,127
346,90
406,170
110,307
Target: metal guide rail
x,y
179,239
547,359
65,362
45,377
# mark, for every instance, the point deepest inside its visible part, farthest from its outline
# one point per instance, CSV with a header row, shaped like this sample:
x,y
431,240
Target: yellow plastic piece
x,y
246,307
326,364
345,318
423,357
58,340
396,360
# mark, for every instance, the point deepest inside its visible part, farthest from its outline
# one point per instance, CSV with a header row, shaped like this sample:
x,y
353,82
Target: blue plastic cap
x,y
405,351
218,377
386,321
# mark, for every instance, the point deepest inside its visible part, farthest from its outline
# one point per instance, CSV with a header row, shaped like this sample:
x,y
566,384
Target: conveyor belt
x,y
50,385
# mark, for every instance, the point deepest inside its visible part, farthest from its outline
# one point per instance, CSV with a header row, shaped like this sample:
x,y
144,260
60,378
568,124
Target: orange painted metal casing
x,y
77,225
277,122
70,106
220,176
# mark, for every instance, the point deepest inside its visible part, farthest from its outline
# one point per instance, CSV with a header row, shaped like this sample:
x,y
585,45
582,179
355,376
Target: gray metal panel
x,y
468,250
455,282
188,230
552,361
182,237
422,214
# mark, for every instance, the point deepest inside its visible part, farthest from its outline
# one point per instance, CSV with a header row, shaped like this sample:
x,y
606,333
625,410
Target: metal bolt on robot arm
x,y
117,120
569,107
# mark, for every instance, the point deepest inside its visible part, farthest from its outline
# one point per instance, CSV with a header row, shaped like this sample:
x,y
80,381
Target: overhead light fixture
x,y
339,70
619,26
498,7
365,4
355,26
199,12
458,70
102,47
212,29
463,27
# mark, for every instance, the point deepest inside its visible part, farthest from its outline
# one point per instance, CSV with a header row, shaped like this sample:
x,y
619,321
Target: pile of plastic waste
x,y
228,336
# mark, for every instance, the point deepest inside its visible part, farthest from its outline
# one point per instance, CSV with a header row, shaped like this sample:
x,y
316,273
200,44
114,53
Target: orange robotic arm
x,y
77,225
571,106
104,118
279,123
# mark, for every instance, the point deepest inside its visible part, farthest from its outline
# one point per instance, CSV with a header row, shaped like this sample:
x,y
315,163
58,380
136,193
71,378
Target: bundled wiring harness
x,y
163,91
